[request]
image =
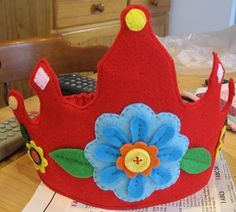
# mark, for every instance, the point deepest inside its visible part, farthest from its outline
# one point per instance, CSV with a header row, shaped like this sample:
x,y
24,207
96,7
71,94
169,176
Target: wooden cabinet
x,y
92,22
93,34
82,22
24,18
69,13
154,6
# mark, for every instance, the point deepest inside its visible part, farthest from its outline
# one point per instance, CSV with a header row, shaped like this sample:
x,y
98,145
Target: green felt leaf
x,y
196,160
24,133
73,161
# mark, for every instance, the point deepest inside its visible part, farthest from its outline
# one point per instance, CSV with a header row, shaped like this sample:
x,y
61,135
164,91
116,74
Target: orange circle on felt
x,y
35,156
137,160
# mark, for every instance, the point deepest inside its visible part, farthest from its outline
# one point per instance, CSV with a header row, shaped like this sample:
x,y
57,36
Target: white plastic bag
x,y
194,51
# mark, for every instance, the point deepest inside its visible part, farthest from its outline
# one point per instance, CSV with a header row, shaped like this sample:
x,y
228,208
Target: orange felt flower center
x,y
138,158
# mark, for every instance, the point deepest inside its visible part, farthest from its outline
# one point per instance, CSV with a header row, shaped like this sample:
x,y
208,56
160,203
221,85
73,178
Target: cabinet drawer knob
x,y
100,7
155,2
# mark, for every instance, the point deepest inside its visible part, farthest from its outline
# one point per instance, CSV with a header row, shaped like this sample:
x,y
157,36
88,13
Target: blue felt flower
x,y
137,152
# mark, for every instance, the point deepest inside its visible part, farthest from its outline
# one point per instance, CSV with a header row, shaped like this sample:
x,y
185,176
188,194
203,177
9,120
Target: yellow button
x,y
137,160
135,20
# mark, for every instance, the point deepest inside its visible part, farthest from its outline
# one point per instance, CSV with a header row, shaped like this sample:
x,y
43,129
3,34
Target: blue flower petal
x,y
160,176
114,136
110,177
136,187
172,154
138,128
180,141
137,122
163,135
105,153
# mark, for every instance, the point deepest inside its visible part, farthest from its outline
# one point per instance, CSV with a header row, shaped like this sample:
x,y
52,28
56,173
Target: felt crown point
x,y
13,103
135,20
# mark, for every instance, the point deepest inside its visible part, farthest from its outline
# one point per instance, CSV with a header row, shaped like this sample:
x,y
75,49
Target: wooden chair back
x,y
17,59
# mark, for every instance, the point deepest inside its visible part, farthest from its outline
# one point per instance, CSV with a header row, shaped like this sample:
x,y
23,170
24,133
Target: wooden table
x,y
18,179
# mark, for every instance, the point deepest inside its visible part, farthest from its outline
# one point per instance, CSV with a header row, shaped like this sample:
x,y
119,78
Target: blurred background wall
x,y
187,16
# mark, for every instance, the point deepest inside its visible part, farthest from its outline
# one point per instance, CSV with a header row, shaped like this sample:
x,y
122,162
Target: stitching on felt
x,y
110,153
117,137
110,206
70,159
192,160
158,116
171,63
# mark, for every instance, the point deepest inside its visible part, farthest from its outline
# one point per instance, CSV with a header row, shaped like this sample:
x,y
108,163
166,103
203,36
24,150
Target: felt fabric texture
x,y
114,136
135,20
105,153
138,124
139,129
41,79
73,162
12,102
220,142
136,187
196,160
220,73
136,69
40,162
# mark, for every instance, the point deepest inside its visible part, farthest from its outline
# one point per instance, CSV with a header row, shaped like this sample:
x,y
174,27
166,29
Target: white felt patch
x,y
220,73
41,78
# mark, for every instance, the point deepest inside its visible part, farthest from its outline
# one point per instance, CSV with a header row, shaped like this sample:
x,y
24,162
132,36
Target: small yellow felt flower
x,y
220,142
35,153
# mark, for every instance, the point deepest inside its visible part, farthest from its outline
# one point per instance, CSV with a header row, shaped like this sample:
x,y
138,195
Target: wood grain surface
x,y
24,18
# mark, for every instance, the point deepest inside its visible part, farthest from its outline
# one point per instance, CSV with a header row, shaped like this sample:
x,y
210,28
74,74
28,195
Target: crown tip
x,y
135,18
13,103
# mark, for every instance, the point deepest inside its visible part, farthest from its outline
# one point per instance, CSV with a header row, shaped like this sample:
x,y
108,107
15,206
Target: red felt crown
x,y
136,69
